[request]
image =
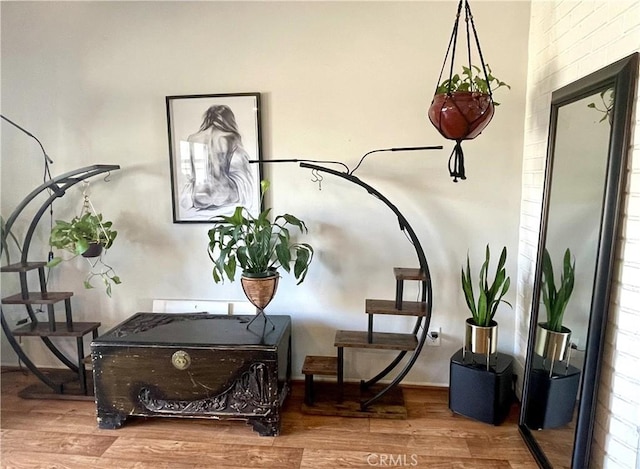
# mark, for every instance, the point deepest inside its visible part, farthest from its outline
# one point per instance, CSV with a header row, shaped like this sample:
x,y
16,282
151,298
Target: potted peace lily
x,y
462,106
259,247
552,338
481,329
89,236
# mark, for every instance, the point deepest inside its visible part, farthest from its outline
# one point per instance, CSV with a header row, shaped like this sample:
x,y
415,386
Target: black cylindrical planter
x,y
95,249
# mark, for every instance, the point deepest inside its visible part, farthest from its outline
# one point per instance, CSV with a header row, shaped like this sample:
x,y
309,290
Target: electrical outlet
x,y
433,337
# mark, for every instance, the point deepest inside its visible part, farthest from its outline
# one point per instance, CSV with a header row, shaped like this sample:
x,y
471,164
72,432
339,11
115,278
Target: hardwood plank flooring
x,y
64,434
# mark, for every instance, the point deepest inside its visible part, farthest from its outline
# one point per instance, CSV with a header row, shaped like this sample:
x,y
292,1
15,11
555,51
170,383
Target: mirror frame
x,y
622,76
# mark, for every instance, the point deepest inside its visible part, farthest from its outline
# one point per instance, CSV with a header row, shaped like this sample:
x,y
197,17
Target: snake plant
x,y
556,299
489,296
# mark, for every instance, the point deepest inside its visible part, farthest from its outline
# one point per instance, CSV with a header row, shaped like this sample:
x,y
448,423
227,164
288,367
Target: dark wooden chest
x,y
193,365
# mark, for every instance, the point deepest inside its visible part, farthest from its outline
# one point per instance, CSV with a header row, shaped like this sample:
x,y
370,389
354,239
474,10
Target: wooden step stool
x,y
316,365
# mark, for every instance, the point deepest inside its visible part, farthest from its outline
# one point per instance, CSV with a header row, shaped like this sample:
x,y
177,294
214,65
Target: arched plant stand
x,y
64,386
410,344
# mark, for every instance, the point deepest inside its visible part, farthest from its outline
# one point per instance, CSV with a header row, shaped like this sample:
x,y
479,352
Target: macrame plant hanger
x,y
87,207
94,255
461,115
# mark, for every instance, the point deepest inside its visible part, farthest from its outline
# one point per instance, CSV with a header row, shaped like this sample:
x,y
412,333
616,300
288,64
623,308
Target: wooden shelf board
x,y
316,365
22,266
381,340
406,273
409,308
41,329
37,298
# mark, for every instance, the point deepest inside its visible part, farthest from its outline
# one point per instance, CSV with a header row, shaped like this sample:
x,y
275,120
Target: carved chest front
x,y
193,365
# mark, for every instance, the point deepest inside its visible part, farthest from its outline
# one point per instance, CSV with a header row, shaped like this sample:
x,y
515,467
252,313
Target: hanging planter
x,y
463,104
88,235
462,115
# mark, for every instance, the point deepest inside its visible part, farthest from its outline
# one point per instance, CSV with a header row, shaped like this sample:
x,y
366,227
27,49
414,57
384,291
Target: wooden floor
x,y
63,434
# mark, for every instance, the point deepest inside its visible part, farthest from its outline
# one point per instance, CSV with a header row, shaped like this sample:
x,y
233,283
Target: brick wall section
x,y
568,40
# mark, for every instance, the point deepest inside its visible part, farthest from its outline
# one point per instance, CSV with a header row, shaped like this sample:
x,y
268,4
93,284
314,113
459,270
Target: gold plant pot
x,y
260,290
481,339
550,344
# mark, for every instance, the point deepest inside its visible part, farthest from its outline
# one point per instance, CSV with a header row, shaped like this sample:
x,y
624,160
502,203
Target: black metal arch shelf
x,y
56,188
426,291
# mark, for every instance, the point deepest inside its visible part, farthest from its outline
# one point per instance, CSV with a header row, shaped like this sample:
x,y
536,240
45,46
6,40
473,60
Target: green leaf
x,y
468,290
483,274
284,255
81,246
264,186
303,259
482,309
295,221
230,268
54,262
216,276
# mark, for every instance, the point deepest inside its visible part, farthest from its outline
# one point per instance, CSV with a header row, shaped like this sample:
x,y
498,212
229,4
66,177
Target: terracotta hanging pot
x,y
260,290
461,115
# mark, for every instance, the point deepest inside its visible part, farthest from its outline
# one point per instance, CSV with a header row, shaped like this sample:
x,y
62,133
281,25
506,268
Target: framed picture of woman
x,y
215,155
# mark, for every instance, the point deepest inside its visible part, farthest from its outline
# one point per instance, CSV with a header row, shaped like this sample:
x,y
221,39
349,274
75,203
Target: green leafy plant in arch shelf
x,y
80,235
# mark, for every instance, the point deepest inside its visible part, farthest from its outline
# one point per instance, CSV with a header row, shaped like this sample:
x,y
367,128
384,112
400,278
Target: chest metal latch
x,y
181,360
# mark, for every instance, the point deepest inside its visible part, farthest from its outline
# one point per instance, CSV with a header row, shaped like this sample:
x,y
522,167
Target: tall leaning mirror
x,y
589,137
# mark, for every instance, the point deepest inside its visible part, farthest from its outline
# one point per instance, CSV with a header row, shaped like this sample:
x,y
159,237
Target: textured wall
x,y
338,79
568,40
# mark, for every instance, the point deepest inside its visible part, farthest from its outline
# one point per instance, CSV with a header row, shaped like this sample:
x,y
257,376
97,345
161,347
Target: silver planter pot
x,y
481,339
550,344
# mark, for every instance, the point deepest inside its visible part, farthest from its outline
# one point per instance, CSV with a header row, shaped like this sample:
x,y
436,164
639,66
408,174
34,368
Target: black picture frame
x,y
215,155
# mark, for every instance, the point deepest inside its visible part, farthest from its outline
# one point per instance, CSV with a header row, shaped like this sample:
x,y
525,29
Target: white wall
x,y
569,40
338,79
